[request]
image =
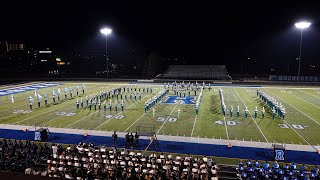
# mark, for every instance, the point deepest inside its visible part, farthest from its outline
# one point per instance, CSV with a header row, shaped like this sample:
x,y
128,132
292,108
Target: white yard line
x,y
309,94
135,122
117,114
306,101
295,108
8,116
56,118
167,118
12,108
225,124
299,134
81,119
252,117
194,124
40,114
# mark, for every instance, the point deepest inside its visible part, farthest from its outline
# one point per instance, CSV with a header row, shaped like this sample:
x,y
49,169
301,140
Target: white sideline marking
x,y
295,108
167,117
252,117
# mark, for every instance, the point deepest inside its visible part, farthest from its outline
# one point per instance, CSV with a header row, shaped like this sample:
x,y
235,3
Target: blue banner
x,y
295,78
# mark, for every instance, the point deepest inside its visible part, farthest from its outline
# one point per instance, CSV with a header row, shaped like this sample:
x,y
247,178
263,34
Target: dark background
x,y
181,32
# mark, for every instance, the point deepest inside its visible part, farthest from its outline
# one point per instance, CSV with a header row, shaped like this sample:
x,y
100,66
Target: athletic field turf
x,y
300,126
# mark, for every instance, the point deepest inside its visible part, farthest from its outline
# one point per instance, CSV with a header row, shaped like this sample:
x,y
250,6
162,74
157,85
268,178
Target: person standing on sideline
x,y
136,138
114,138
262,112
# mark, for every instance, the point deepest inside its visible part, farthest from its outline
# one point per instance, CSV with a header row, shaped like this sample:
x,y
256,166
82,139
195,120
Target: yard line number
x,y
109,116
162,119
65,113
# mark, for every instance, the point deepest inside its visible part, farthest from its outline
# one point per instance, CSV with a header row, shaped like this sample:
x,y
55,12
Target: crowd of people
x,y
254,170
86,161
29,157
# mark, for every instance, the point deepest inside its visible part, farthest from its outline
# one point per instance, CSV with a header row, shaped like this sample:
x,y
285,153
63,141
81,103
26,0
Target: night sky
x,y
202,33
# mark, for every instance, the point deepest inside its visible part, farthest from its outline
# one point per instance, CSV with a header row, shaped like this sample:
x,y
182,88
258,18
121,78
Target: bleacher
x,y
201,72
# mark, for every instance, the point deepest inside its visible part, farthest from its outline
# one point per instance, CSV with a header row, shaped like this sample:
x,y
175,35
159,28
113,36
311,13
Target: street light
x,y
301,25
106,32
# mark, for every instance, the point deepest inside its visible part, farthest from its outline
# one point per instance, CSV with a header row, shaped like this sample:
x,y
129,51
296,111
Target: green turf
x,y
302,110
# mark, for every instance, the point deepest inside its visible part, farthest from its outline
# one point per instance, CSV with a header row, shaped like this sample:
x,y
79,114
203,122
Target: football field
x,y
300,126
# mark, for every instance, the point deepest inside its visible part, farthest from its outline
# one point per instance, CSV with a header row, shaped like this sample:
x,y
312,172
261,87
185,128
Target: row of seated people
x,y
86,161
253,170
16,155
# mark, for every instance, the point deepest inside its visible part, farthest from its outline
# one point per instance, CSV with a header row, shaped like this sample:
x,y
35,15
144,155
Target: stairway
x,y
227,172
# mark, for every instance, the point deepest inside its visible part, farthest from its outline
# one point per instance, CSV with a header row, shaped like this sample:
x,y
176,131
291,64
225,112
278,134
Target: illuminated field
x,y
301,124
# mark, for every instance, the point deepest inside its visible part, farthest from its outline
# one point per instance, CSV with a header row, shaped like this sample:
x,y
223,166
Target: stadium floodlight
x,y
106,32
301,25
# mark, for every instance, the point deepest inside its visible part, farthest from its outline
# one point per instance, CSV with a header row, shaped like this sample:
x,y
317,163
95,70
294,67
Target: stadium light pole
x,y
106,32
301,25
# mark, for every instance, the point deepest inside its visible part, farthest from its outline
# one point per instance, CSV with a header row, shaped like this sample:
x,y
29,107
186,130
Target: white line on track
x,y
167,117
252,117
295,108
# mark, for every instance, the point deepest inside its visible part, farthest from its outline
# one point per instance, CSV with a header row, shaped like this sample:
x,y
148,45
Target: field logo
x,y
183,100
279,155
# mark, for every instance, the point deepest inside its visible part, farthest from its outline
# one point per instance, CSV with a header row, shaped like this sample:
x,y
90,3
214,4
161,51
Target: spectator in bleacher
x,y
266,166
54,149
